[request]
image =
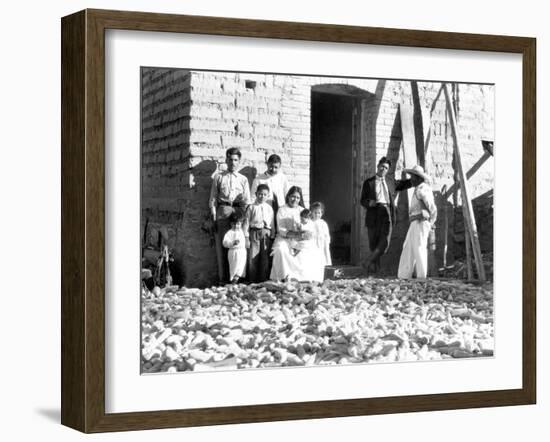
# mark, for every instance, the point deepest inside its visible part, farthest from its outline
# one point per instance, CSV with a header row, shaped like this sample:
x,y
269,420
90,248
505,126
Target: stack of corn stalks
x,y
459,271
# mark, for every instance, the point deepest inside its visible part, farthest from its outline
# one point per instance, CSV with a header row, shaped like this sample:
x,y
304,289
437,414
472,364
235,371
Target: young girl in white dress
x,y
234,240
309,260
321,233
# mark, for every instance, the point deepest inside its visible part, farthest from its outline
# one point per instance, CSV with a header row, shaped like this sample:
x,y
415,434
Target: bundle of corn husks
x,y
296,324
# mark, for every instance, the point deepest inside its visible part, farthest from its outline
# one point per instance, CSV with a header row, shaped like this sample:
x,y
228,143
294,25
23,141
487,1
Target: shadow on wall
x,y
373,111
184,227
483,213
449,231
390,261
444,238
250,173
195,251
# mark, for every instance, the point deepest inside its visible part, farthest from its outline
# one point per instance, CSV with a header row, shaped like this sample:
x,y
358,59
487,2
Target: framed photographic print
x,y
267,221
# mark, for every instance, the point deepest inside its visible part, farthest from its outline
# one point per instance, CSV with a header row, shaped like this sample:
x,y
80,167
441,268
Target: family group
x,y
273,236
266,232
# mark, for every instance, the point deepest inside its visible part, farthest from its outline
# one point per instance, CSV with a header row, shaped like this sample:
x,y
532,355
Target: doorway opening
x,y
332,168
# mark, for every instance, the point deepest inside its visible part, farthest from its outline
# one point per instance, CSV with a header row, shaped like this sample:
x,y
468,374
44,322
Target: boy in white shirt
x,y
259,230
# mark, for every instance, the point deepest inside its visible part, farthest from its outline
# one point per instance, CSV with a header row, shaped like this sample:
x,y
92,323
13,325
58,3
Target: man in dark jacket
x,y
378,197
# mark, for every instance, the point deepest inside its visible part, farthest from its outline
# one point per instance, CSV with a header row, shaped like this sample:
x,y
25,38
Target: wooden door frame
x,y
357,141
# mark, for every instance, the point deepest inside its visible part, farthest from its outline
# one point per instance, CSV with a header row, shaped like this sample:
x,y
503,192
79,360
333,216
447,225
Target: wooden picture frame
x,y
83,220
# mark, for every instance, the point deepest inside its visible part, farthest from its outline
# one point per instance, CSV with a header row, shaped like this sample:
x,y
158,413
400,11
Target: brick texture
x,y
189,119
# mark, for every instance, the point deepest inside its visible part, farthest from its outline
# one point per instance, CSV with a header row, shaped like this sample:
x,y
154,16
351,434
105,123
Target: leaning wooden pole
x,y
468,243
469,219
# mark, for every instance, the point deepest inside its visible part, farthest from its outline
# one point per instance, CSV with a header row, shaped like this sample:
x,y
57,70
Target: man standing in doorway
x,y
230,193
422,216
378,197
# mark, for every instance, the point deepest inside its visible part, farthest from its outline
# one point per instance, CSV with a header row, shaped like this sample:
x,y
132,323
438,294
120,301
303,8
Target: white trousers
x,y
415,251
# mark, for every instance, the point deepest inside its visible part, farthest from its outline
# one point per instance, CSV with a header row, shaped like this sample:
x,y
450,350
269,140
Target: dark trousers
x,y
379,231
258,255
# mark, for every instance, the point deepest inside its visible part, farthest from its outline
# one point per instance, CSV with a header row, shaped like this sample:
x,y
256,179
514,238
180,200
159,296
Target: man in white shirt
x,y
229,193
422,216
276,181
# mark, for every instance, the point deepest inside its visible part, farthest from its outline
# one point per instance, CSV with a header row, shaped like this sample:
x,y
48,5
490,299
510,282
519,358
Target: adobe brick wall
x,y
165,147
191,117
170,201
272,117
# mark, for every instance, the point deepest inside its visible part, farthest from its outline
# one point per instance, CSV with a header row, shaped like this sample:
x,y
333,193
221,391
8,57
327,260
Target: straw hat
x,y
419,171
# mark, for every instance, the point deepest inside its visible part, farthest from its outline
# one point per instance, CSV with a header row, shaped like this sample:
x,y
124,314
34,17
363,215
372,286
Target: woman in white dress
x,y
304,266
285,264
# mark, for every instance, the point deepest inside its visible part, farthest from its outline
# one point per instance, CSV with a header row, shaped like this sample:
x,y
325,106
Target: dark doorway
x,y
332,167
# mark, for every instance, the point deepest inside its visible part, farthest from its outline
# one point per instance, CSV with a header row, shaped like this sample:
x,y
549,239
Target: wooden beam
x,y
408,142
445,225
407,130
469,218
471,172
468,243
358,131
418,122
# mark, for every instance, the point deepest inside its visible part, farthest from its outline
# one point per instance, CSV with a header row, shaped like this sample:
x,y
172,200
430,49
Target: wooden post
x,y
468,261
445,226
469,219
356,134
408,140
408,137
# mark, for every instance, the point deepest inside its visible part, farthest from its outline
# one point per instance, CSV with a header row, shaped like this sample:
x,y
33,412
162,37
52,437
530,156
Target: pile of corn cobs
x,y
300,324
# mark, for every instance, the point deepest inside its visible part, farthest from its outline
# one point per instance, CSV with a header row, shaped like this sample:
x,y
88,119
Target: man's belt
x,y
260,228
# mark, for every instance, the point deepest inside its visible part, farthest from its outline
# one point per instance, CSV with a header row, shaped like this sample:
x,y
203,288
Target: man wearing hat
x,y
378,197
422,216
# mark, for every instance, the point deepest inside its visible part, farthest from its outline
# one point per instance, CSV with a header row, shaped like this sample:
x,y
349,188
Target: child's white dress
x,y
309,260
236,255
321,237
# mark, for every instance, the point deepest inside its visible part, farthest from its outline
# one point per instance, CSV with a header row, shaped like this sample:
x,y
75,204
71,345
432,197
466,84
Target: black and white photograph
x,y
301,220
251,221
